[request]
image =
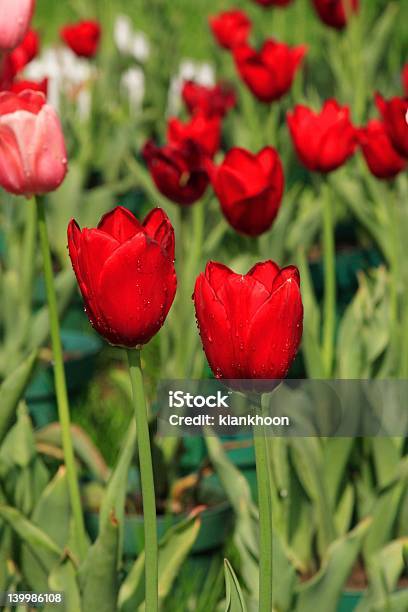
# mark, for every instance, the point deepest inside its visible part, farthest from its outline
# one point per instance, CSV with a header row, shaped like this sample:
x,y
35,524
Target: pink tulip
x,y
33,158
15,18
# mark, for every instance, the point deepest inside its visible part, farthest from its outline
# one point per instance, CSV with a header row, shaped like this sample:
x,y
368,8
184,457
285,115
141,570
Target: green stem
x,y
395,268
329,303
28,268
29,251
404,343
265,515
147,481
191,270
60,382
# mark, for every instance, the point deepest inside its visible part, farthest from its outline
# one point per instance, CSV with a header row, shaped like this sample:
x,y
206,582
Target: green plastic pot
x,y
349,601
216,525
348,265
81,351
242,455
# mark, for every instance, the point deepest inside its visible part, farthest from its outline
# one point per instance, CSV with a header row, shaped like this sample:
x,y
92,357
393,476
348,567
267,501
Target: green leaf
x,y
384,570
309,464
18,448
65,285
235,601
246,528
44,549
311,328
173,550
12,390
63,578
85,449
384,511
337,452
114,498
326,586
52,516
98,576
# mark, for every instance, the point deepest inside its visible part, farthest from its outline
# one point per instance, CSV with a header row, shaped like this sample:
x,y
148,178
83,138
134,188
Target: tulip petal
x,y
11,166
120,223
136,289
265,272
275,332
217,275
157,225
95,247
215,330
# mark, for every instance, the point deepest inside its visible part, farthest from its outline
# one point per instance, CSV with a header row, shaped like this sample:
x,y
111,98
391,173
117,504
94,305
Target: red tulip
x,y
334,13
204,131
249,188
268,73
25,52
33,157
381,157
19,86
178,171
325,140
250,325
125,271
82,37
268,3
230,28
15,17
404,79
6,72
395,116
217,100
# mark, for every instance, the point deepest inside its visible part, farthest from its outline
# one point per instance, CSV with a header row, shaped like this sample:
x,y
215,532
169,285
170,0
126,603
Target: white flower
x,y
67,74
129,41
189,70
133,84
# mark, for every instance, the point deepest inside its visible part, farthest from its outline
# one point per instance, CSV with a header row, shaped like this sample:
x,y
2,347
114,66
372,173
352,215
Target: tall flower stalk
x,y
125,271
251,326
33,160
262,460
147,481
59,380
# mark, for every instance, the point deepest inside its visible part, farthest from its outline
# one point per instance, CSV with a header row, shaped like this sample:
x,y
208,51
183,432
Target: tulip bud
x,y
382,159
394,113
125,271
325,140
178,171
335,13
82,38
25,52
250,325
249,188
15,18
33,158
269,73
212,101
230,28
204,131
